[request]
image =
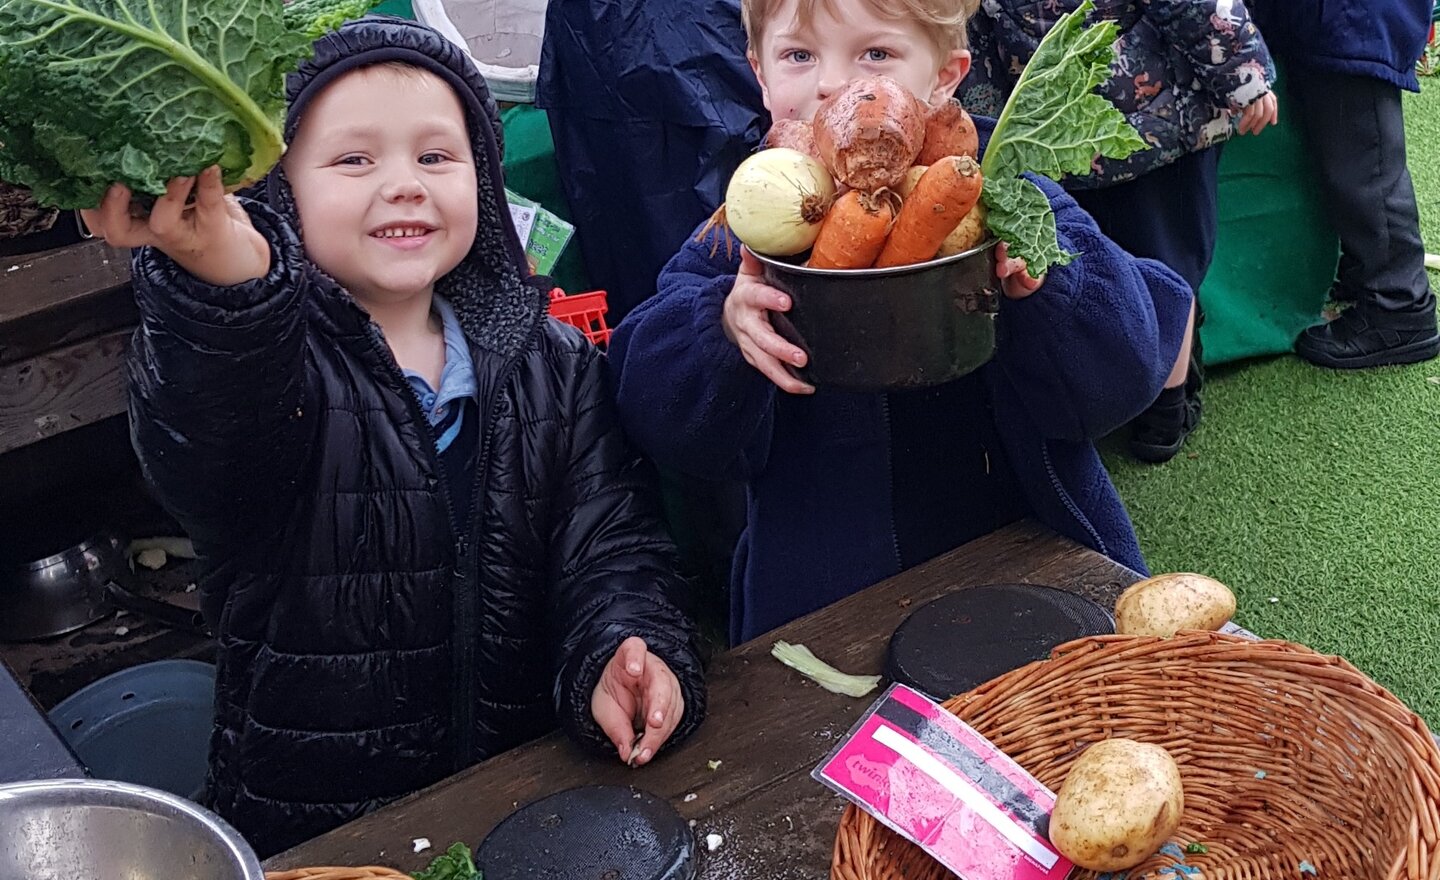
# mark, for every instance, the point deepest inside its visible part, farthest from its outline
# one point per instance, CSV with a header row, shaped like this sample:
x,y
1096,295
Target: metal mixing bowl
x,y
87,828
59,593
881,329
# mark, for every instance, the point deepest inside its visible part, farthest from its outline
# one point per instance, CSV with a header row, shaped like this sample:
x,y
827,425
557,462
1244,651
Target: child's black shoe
x,y
1363,337
1159,432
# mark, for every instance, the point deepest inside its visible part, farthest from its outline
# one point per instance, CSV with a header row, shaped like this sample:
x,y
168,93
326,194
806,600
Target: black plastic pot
x,y
883,329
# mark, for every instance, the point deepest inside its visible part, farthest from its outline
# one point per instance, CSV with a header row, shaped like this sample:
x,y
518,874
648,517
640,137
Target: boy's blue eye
x,y
877,55
432,159
800,56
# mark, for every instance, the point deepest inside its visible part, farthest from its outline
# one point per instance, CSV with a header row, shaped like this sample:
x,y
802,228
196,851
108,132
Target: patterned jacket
x,y
1184,70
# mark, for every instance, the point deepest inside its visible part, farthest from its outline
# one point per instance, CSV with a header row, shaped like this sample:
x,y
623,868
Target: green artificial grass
x,y
1315,494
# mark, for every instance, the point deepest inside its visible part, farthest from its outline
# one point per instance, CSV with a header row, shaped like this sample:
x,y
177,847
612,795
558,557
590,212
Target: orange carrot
x,y
945,194
949,131
869,132
854,231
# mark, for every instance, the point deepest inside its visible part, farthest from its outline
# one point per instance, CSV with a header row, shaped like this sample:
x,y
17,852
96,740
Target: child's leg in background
x,y
1168,215
1355,129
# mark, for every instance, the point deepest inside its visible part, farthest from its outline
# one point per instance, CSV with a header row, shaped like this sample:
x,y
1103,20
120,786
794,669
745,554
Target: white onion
x,y
776,200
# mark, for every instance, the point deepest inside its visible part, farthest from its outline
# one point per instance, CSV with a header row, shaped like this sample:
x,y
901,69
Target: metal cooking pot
x,y
71,828
78,586
882,329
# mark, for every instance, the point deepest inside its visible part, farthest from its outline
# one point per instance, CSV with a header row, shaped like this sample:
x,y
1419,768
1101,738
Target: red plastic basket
x,y
583,310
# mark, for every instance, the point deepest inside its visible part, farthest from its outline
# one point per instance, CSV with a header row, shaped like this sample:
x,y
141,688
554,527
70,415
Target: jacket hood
x,y
495,306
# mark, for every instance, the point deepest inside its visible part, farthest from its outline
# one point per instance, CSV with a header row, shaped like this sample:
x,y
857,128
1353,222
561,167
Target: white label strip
x,y
966,791
1234,629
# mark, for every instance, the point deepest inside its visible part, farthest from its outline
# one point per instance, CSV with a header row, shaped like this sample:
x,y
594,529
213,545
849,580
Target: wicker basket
x,y
1287,757
369,873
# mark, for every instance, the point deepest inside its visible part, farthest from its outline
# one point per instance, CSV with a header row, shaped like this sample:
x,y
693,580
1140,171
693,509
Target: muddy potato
x,y
912,177
1167,603
971,231
1119,803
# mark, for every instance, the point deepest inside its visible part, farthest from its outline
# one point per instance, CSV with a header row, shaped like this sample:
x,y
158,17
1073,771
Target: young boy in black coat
x,y
426,537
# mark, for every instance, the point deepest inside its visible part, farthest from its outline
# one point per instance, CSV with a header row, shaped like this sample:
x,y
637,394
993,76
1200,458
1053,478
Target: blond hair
x,y
942,20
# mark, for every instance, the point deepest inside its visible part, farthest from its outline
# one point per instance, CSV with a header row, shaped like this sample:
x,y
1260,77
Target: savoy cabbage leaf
x,y
1019,214
1054,124
453,864
140,91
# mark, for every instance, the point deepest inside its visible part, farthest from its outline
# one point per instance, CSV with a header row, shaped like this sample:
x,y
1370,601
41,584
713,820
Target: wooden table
x,y
767,726
66,317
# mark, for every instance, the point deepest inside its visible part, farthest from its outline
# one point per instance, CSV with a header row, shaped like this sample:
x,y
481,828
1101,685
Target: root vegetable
x,y
1119,803
1168,603
774,204
793,134
944,195
970,233
854,231
870,132
949,131
912,177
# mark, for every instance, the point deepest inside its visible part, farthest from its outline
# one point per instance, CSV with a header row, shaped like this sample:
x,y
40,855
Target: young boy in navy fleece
x,y
846,489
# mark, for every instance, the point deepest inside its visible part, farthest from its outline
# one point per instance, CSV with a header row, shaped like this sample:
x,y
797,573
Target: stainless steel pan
x,y
76,587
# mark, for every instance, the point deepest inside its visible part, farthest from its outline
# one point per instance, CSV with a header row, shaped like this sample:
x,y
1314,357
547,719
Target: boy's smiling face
x,y
799,66
384,180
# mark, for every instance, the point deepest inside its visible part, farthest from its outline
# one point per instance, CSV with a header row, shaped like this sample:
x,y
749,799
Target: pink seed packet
x,y
931,778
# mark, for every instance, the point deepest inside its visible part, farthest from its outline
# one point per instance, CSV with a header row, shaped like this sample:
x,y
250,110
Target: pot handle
x,y
163,612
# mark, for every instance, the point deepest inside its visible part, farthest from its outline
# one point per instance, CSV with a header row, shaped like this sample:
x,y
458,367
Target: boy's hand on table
x,y
746,320
637,685
1014,275
212,239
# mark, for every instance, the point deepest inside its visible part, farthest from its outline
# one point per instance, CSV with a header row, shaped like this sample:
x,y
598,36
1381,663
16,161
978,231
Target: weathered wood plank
x,y
40,282
62,297
767,727
62,389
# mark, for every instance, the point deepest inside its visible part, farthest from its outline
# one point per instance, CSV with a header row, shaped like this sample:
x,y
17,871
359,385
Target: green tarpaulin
x,y
396,7
1276,253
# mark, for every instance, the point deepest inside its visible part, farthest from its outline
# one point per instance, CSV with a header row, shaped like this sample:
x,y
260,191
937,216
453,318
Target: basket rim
x,y
336,872
1216,646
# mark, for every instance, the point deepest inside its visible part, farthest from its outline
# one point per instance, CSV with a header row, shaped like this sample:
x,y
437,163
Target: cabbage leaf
x,y
140,91
1054,124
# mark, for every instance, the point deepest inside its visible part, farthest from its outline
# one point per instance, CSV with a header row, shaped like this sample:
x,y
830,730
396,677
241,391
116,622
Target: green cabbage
x,y
140,91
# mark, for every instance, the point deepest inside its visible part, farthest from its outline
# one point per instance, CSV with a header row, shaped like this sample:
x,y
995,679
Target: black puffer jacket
x,y
366,649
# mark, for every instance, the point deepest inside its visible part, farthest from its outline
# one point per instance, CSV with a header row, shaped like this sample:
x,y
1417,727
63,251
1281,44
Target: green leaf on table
x,y
99,91
1054,124
1020,215
453,864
